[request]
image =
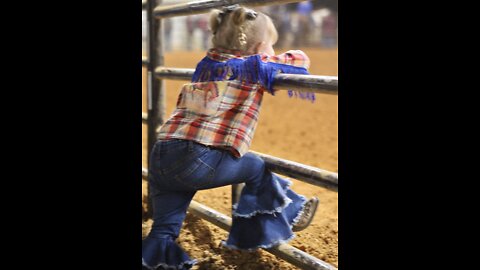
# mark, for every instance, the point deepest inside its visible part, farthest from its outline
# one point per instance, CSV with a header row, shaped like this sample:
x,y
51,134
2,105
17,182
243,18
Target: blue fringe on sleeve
x,y
251,70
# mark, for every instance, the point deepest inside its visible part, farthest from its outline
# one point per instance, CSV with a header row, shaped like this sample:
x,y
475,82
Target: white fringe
x,y
300,213
279,209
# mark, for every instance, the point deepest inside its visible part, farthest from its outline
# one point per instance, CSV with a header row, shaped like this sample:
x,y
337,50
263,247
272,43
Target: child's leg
x,y
265,192
267,208
228,170
159,248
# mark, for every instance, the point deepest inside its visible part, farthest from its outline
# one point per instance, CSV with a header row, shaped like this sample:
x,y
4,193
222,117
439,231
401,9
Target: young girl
x,y
204,143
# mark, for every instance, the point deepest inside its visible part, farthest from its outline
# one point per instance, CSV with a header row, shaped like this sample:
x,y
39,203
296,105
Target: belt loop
x,y
190,146
159,145
156,147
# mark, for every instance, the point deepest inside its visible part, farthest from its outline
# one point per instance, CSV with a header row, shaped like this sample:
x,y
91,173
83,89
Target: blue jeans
x,y
263,217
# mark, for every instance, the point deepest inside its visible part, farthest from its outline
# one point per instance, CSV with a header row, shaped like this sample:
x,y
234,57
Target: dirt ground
x,y
288,128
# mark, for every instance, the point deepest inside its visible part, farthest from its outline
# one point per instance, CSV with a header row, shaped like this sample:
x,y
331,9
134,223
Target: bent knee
x,y
255,163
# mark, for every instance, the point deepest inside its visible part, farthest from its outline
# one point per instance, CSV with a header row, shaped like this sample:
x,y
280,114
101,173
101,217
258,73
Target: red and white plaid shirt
x,y
224,113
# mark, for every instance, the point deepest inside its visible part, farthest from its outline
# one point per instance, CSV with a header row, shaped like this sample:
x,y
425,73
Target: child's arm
x,y
292,57
291,62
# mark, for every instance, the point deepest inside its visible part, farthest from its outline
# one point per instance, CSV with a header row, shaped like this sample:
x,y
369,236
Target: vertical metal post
x,y
155,87
236,191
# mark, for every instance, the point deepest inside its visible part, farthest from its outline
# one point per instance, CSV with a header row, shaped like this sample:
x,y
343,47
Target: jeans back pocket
x,y
196,176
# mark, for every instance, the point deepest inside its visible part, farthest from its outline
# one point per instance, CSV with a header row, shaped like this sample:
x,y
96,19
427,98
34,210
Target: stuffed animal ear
x,y
216,17
251,15
239,16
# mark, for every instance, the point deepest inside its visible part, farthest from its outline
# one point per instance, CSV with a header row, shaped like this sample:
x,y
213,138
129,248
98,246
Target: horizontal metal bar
x,y
284,251
304,83
203,6
144,61
308,83
302,172
211,215
144,118
183,74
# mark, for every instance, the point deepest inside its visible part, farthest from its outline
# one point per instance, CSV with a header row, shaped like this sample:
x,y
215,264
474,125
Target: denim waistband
x,y
173,145
165,146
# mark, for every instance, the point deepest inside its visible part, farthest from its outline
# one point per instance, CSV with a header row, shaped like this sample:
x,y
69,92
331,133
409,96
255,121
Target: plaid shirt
x,y
222,114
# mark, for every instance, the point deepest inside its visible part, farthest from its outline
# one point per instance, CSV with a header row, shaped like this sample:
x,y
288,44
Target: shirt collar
x,y
222,55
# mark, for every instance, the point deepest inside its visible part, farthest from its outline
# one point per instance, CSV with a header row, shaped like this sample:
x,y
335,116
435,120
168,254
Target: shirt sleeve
x,y
295,58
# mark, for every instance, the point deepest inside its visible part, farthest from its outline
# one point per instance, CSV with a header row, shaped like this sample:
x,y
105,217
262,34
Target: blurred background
x,y
288,128
304,24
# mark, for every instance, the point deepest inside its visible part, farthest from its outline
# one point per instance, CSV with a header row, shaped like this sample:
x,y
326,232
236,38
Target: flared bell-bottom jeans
x,y
263,217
